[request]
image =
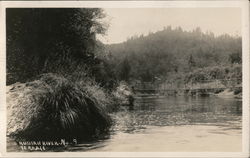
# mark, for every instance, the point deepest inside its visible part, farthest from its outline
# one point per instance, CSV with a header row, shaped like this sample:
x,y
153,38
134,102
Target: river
x,y
173,123
168,124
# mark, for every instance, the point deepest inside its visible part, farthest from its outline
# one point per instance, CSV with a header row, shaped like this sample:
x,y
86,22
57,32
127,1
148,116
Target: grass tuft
x,y
54,107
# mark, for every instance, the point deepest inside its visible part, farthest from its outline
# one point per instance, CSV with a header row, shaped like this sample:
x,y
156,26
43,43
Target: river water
x,y
169,124
173,123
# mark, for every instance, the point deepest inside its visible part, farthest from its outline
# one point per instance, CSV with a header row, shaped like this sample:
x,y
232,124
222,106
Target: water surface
x,y
181,123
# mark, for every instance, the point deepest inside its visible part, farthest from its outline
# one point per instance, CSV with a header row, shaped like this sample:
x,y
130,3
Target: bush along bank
x,y
215,79
226,80
54,107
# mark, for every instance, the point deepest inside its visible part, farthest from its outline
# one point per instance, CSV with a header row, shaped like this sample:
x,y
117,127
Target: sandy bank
x,y
227,93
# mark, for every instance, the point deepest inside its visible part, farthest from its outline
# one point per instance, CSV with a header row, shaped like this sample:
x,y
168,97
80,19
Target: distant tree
x,y
147,76
235,58
191,62
125,70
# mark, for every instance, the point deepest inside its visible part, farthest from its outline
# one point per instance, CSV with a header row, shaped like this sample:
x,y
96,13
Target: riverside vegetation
x,y
64,83
57,85
55,106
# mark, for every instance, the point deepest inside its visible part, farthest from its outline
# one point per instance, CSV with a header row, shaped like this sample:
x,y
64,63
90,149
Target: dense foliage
x,y
58,40
162,54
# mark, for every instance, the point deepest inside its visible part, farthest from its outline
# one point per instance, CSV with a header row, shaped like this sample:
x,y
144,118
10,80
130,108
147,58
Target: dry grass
x,y
22,104
54,107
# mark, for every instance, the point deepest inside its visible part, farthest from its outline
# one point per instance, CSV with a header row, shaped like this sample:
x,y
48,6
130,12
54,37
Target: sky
x,y
127,22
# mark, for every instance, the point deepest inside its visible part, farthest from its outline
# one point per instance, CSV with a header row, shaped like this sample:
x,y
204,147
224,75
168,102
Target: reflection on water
x,y
155,118
182,110
152,118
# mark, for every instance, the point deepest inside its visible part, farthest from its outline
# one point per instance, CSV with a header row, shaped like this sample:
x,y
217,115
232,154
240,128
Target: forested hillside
x,y
163,54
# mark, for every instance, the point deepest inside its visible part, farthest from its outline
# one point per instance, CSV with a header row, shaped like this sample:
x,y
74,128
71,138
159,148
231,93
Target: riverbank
x,y
227,93
53,107
202,81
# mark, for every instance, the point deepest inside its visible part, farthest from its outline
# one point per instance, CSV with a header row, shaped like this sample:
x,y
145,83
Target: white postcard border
x,y
244,5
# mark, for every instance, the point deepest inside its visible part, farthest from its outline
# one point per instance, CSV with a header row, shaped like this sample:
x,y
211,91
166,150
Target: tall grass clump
x,y
101,96
54,108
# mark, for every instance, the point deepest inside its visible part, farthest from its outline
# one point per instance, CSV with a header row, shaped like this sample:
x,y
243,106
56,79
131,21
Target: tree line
x,y
168,52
